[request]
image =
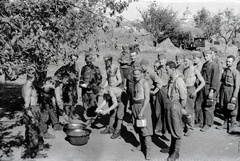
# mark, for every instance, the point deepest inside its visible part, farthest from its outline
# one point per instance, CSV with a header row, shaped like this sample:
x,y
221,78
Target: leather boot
x,y
147,141
174,155
233,125
108,130
116,134
224,125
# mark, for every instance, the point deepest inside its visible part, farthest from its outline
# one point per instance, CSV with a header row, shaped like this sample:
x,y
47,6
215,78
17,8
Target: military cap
x,y
107,57
144,62
89,54
73,54
162,55
197,54
213,48
207,52
96,89
188,56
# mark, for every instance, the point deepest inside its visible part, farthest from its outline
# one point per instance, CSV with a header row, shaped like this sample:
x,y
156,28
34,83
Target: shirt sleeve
x,y
215,77
182,89
236,82
157,81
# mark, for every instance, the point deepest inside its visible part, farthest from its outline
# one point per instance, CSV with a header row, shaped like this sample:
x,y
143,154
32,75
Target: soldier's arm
x,y
114,100
104,102
58,97
158,82
98,76
146,89
182,89
27,101
215,78
236,83
119,78
200,78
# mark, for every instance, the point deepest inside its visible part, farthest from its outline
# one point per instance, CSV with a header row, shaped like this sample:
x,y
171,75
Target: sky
x,y
213,6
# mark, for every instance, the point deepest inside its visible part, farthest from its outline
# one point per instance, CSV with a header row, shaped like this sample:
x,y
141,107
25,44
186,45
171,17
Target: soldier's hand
x,y
193,95
233,100
210,95
104,112
140,115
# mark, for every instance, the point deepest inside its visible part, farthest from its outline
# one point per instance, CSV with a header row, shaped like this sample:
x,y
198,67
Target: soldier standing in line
x,y
179,61
70,74
229,93
124,61
210,74
161,95
197,62
90,80
155,85
176,102
32,115
191,75
130,81
113,73
141,110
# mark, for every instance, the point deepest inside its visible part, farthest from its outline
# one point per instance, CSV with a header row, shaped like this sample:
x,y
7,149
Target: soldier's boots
x,y
232,128
174,156
108,130
205,128
116,134
223,126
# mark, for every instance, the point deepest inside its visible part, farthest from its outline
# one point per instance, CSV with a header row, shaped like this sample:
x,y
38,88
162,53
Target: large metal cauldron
x,y
77,133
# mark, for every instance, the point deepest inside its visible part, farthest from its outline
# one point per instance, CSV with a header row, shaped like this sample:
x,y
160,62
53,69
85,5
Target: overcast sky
x,y
180,6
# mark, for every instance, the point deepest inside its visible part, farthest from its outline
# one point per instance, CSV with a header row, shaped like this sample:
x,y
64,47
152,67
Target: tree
x,y
208,23
229,23
160,22
35,31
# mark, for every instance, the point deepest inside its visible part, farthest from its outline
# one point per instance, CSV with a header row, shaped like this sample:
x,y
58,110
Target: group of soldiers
x,y
171,97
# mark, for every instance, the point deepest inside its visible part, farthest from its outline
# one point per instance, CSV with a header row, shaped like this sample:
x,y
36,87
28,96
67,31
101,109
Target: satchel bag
x,y
231,106
141,122
209,102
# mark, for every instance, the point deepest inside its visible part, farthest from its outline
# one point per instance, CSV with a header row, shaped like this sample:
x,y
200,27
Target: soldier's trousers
x,y
226,94
33,133
89,102
208,111
190,107
160,106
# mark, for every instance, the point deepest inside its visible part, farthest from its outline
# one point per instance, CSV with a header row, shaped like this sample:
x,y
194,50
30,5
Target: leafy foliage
x,y
207,22
160,22
40,31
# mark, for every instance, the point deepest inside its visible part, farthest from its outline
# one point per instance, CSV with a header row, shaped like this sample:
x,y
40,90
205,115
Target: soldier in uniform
x,y
191,75
117,99
210,74
124,61
90,79
176,102
229,93
141,110
162,95
130,81
69,74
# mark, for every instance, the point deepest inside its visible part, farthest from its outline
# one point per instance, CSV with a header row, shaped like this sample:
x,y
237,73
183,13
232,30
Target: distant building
x,y
187,15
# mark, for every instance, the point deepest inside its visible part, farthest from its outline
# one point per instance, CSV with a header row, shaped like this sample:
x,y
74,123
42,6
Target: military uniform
x,y
229,88
176,91
154,82
69,89
211,76
90,75
124,61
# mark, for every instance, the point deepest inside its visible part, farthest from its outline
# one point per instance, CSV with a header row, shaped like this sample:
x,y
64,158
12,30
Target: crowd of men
x,y
168,97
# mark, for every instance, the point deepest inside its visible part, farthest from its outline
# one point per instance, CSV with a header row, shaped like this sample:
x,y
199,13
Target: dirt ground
x,y
213,145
